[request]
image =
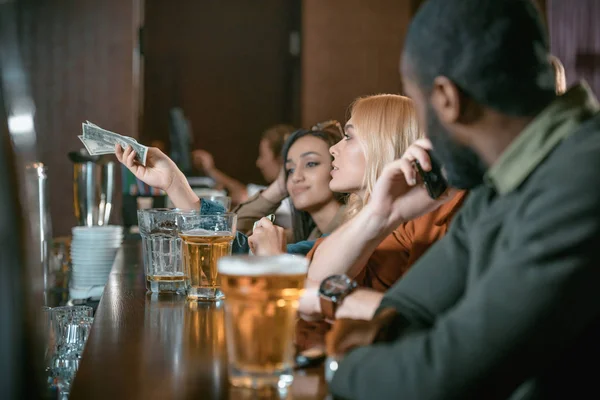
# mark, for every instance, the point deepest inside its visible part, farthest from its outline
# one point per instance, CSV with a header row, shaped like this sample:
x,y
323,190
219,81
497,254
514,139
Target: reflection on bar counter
x,y
260,314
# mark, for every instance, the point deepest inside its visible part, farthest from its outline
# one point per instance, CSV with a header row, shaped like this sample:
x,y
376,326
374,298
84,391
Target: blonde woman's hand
x,y
267,239
398,195
160,171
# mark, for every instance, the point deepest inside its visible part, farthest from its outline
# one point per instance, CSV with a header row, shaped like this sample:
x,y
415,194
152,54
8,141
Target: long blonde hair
x,y
386,125
560,78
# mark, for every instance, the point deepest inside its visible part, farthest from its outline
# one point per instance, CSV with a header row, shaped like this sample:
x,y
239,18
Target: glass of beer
x,y
205,239
260,315
161,249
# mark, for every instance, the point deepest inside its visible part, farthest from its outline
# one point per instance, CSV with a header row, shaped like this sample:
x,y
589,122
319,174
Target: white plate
x,y
94,254
92,264
92,267
93,292
96,241
95,251
89,282
106,228
86,262
108,239
106,253
90,273
95,245
92,260
100,236
101,277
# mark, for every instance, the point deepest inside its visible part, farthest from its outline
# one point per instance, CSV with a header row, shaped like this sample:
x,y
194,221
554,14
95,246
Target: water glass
x,y
161,248
74,334
205,239
66,333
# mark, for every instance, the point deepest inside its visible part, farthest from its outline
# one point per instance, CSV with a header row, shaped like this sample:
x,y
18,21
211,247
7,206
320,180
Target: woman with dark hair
x,y
316,210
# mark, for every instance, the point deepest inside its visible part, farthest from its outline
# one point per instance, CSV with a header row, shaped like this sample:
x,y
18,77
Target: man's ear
x,y
447,100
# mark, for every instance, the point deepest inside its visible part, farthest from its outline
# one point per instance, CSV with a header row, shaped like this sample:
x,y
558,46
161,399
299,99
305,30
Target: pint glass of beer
x,y
260,315
205,239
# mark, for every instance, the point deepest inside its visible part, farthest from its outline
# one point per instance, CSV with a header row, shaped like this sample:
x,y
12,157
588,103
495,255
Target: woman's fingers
x,y
418,153
264,223
424,143
408,170
119,152
130,157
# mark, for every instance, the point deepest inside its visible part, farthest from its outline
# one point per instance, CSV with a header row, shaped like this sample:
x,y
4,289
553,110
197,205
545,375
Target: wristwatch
x,y
332,292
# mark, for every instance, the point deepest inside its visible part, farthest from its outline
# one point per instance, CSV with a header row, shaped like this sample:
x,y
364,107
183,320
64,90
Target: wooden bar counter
x,y
149,346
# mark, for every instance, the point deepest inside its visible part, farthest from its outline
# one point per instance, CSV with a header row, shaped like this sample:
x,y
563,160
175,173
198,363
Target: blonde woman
x,y
380,129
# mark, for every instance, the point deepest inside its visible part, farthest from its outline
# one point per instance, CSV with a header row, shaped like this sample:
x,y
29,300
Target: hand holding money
x,y
159,171
99,141
162,173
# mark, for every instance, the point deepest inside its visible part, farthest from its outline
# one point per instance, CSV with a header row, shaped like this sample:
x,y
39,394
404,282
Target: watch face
x,y
335,285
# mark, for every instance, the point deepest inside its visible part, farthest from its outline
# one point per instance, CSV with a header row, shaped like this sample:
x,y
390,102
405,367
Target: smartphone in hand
x,y
434,180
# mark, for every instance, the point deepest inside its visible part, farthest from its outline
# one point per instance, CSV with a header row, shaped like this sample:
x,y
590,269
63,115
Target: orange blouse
x,y
390,260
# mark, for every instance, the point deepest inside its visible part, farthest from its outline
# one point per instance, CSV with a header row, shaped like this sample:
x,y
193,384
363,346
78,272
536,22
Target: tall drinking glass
x,y
161,248
260,316
205,239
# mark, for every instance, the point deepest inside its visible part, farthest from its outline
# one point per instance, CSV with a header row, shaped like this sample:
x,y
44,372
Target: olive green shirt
x,y
507,304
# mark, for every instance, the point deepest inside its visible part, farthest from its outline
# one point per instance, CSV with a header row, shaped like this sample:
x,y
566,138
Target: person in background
x,y
269,163
316,210
505,305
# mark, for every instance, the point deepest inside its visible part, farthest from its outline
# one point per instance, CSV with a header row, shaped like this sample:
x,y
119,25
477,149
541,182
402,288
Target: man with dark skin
x,y
506,305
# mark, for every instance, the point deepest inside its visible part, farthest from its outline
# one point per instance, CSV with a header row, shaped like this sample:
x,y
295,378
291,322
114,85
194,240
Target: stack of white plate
x,y
93,252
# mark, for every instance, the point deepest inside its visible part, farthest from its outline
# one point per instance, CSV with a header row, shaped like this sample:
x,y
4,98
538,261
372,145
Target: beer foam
x,y
284,264
204,232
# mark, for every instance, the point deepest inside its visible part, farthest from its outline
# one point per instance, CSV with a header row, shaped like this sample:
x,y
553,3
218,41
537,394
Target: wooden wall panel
x,y
80,54
350,48
575,39
226,64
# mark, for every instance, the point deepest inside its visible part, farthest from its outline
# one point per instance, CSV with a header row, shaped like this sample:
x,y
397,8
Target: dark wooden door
x,y
228,65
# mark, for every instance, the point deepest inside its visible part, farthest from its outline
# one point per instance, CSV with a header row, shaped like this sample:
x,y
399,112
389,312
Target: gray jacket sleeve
x,y
540,295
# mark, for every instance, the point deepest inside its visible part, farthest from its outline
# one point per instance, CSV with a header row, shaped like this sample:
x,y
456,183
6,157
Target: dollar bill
x,y
95,148
100,140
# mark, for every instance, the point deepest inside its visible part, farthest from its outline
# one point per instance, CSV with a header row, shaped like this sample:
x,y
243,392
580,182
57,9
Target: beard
x,y
463,167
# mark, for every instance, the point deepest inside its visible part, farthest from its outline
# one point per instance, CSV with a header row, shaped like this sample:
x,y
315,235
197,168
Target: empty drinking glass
x,y
66,333
161,248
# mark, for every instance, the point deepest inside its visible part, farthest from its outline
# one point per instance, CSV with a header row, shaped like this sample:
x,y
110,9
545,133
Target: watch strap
x,y
328,308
